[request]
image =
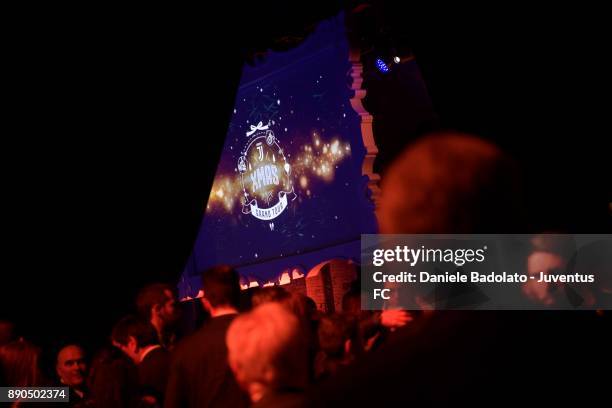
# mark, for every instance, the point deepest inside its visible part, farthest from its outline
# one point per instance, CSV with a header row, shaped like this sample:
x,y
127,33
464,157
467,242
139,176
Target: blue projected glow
x,y
288,191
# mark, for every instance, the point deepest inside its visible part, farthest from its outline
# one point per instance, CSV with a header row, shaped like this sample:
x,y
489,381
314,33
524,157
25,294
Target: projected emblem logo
x,y
265,175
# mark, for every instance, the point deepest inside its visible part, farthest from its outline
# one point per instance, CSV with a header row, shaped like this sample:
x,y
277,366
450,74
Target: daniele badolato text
x,y
477,277
459,257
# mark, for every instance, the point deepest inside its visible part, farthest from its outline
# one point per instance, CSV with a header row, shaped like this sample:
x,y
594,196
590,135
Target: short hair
x,y
142,330
303,307
221,286
267,346
451,183
64,346
269,294
150,296
19,364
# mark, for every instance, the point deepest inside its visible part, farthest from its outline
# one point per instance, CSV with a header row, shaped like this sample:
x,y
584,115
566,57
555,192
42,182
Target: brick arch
x,y
327,282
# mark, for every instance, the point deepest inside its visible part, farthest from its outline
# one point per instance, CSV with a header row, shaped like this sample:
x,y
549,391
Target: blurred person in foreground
x,y
268,355
443,183
451,183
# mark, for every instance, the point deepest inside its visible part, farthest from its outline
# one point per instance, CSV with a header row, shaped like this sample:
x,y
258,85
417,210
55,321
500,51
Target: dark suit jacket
x,y
153,373
113,380
282,399
200,375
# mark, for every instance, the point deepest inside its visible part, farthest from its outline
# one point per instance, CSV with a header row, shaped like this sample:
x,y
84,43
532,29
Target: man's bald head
x,y
71,367
450,183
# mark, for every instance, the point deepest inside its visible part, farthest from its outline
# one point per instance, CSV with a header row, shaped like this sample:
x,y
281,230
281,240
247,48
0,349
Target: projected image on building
x,y
288,189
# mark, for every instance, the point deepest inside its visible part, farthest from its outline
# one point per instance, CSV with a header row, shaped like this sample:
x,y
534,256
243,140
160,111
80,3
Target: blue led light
x,y
382,67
